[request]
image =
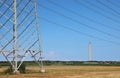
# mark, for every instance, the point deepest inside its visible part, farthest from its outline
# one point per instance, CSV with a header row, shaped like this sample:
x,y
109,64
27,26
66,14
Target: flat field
x,y
69,72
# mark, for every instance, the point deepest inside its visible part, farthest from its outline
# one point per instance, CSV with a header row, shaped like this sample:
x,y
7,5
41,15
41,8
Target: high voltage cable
x,y
8,31
27,11
18,35
3,25
9,18
26,39
7,9
3,3
88,26
24,21
18,16
77,31
92,4
102,24
17,28
112,3
108,7
108,17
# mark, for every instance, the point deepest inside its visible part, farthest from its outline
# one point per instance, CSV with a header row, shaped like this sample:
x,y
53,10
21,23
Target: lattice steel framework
x,y
19,32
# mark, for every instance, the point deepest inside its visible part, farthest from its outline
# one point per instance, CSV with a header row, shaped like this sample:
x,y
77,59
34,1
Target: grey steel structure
x,y
20,32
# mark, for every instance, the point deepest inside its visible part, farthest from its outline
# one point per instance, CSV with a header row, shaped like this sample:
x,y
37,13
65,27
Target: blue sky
x,y
67,26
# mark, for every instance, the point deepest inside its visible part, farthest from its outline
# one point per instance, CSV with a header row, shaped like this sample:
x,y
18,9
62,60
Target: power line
x,y
92,4
77,31
20,24
102,24
88,26
3,14
6,9
113,3
2,3
108,17
108,7
8,19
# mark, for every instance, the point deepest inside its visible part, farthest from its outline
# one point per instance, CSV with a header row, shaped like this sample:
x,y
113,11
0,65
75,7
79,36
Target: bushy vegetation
x,y
10,70
82,63
22,68
78,63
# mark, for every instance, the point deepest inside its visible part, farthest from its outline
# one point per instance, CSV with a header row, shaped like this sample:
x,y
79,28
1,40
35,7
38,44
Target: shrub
x,y
21,69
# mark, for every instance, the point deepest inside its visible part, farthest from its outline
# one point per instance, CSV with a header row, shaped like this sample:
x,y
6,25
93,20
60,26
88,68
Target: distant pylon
x,y
89,51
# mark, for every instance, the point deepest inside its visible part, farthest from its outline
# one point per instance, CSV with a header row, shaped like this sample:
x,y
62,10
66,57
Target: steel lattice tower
x,y
19,32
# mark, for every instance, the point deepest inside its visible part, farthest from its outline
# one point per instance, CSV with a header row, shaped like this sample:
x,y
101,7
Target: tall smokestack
x,y
89,51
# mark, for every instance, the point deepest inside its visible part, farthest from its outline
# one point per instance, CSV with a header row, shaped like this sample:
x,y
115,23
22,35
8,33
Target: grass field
x,y
69,72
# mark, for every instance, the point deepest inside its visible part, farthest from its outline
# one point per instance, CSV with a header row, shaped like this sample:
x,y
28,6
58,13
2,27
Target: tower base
x,y
42,70
16,72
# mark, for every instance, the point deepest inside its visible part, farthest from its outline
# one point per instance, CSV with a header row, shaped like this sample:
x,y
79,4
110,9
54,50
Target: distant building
x,y
89,51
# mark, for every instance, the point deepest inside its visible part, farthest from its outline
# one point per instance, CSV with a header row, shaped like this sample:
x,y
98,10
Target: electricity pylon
x,y
20,32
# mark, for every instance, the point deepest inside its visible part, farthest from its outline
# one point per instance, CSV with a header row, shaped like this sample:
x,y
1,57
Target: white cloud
x,y
51,55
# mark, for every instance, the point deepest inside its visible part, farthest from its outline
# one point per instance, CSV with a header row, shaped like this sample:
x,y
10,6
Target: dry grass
x,y
69,72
